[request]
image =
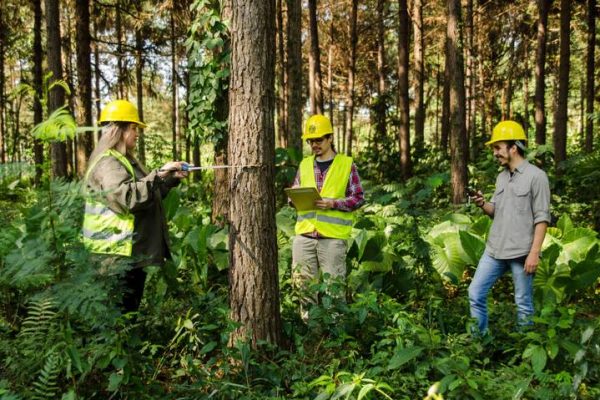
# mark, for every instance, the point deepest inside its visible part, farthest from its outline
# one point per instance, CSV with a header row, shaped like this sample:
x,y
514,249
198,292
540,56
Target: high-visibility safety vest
x,y
105,231
329,223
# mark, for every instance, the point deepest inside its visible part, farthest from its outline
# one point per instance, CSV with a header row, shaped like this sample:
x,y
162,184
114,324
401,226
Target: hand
x,y
325,204
478,199
531,263
173,168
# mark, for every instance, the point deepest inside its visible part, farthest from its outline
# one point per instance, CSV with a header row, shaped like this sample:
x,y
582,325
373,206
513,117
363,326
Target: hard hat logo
x,y
317,126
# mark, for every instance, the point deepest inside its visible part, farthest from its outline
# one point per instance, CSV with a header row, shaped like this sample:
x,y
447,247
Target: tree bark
x,y
119,33
419,49
380,105
281,85
330,65
38,76
139,69
590,81
2,88
84,75
560,119
540,72
445,129
458,142
56,97
315,85
174,91
349,131
253,273
403,99
294,74
96,60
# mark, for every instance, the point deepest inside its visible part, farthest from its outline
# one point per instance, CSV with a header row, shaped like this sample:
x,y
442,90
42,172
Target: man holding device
x,y
322,232
520,208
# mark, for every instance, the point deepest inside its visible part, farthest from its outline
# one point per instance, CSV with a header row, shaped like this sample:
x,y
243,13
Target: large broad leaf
x,y
576,250
472,245
564,223
403,356
481,226
373,249
449,260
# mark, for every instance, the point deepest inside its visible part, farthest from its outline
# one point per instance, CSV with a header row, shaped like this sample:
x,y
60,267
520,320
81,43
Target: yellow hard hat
x,y
507,130
120,111
317,126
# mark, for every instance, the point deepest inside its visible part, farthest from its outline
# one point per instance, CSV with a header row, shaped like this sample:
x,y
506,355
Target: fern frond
x,y
41,316
46,386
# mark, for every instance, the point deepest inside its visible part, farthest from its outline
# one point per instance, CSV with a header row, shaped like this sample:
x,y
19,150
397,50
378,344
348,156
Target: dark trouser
x,y
134,280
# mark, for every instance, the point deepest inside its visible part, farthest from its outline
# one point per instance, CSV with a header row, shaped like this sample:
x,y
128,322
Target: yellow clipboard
x,y
303,197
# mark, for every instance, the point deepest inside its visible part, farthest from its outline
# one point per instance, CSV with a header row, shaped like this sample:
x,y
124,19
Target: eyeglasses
x,y
315,141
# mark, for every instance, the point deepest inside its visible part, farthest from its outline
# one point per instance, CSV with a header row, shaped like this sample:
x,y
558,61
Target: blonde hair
x,y
112,135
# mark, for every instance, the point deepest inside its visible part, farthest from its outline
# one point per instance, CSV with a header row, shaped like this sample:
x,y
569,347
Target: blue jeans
x,y
488,272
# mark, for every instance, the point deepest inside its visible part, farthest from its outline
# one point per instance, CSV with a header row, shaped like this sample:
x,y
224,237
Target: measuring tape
x,y
192,168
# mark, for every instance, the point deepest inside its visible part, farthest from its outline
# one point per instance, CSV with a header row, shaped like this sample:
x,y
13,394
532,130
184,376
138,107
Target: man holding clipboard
x,y
326,191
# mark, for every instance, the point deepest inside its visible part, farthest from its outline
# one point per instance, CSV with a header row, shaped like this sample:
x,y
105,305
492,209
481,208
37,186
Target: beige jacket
x,y
142,197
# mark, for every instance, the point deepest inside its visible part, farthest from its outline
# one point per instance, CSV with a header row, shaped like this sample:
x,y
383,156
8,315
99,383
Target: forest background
x,y
413,89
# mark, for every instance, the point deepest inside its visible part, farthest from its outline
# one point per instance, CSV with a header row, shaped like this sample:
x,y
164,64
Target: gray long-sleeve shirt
x,y
520,202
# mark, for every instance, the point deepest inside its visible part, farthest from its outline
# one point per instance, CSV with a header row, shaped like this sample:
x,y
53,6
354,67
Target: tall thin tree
x,y
294,73
380,101
403,99
590,74
540,71
139,87
85,141
458,136
315,86
56,97
349,113
253,280
419,73
38,76
2,87
560,118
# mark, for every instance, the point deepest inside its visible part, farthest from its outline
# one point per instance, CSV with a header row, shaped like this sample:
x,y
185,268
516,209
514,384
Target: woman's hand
x,y
173,168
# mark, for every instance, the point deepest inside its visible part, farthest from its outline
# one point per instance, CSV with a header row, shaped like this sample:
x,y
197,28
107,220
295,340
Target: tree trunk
x,y
540,72
403,99
139,69
281,86
349,132
458,142
174,91
56,97
84,75
330,65
2,89
560,119
253,273
294,74
419,50
590,81
119,33
314,60
96,60
38,76
445,103
380,105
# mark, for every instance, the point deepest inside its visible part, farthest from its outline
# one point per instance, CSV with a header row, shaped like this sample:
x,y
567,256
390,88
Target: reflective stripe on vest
x,y
105,231
329,223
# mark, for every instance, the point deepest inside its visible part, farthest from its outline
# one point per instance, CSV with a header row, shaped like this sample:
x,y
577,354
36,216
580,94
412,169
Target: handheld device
x,y
471,192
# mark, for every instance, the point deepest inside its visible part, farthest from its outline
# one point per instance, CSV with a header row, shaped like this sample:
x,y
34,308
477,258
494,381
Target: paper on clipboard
x,y
303,197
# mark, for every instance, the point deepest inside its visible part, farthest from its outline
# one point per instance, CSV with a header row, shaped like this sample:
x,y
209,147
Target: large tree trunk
x,y
294,74
560,119
403,99
540,72
281,85
38,112
380,105
348,131
458,139
590,81
139,69
253,274
56,97
84,75
419,50
315,87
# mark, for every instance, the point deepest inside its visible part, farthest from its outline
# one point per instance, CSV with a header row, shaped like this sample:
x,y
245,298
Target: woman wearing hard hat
x,y
123,211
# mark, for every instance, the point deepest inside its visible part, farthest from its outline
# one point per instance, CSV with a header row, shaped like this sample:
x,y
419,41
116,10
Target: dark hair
x,y
520,146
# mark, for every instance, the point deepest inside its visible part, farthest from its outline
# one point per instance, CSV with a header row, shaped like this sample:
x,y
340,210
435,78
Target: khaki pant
x,y
313,256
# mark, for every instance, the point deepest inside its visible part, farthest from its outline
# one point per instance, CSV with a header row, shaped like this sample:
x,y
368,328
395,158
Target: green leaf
x,y
114,381
472,245
364,391
403,356
587,334
538,359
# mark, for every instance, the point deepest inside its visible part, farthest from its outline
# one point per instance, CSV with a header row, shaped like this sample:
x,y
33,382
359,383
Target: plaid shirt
x,y
354,191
